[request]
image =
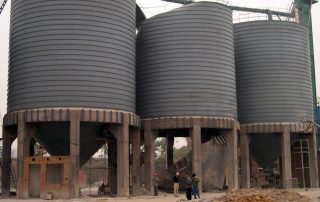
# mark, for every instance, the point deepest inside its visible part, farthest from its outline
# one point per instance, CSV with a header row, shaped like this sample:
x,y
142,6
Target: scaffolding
x,y
301,162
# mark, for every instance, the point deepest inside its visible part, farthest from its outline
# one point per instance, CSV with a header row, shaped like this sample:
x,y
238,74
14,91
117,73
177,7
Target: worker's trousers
x,y
176,189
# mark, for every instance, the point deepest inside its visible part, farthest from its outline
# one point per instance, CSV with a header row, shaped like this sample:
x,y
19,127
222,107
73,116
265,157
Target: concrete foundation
x,y
195,134
9,135
286,131
136,162
150,137
24,125
227,127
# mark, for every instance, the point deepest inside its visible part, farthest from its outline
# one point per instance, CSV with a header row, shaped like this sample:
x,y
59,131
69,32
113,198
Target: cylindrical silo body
x,y
273,80
273,72
72,54
185,63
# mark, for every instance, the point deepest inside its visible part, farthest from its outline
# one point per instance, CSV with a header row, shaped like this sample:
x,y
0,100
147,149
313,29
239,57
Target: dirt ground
x,y
312,195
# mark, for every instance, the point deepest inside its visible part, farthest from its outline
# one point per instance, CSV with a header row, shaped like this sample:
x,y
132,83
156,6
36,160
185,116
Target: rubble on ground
x,y
258,195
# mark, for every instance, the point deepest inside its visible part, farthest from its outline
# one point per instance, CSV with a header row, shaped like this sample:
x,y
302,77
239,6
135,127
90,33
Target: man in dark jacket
x,y
176,185
188,185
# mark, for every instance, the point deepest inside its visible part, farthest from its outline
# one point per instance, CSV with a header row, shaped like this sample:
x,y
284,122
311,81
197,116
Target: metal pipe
x,y
257,10
237,8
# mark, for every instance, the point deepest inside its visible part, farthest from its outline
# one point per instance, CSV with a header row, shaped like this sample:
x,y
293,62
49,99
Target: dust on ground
x,y
243,195
252,195
258,195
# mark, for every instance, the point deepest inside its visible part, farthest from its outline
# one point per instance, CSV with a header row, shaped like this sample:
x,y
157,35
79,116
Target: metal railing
x,y
241,16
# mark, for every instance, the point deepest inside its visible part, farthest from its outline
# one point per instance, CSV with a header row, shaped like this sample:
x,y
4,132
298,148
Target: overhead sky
x,y
152,7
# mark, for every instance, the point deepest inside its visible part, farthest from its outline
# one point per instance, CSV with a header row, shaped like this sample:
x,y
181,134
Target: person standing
x,y
195,186
176,185
188,185
156,181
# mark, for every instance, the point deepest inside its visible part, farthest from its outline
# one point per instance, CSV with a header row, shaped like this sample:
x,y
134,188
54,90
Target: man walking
x,y
156,181
176,185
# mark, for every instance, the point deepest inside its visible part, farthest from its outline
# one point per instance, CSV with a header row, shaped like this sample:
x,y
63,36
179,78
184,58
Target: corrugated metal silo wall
x,y
72,54
273,72
185,63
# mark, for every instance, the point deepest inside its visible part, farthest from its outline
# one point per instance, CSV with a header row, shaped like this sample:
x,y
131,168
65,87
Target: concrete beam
x,y
276,127
136,154
150,137
187,122
245,158
286,158
62,114
74,154
8,137
232,155
25,133
313,159
195,134
121,132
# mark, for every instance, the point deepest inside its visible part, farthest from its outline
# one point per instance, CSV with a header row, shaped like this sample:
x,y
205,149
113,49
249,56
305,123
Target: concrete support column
x,y
25,133
136,155
245,158
150,137
112,166
232,156
195,134
286,158
74,154
170,143
8,138
121,132
314,179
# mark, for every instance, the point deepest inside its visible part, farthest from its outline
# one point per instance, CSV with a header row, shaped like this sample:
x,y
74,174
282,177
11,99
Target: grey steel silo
x,y
72,54
68,56
273,72
185,63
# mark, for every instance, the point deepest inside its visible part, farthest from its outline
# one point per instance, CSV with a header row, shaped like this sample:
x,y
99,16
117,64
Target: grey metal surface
x,y
273,72
140,16
72,54
185,63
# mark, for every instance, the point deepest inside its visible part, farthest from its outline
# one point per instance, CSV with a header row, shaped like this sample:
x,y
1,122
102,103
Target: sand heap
x,y
256,195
